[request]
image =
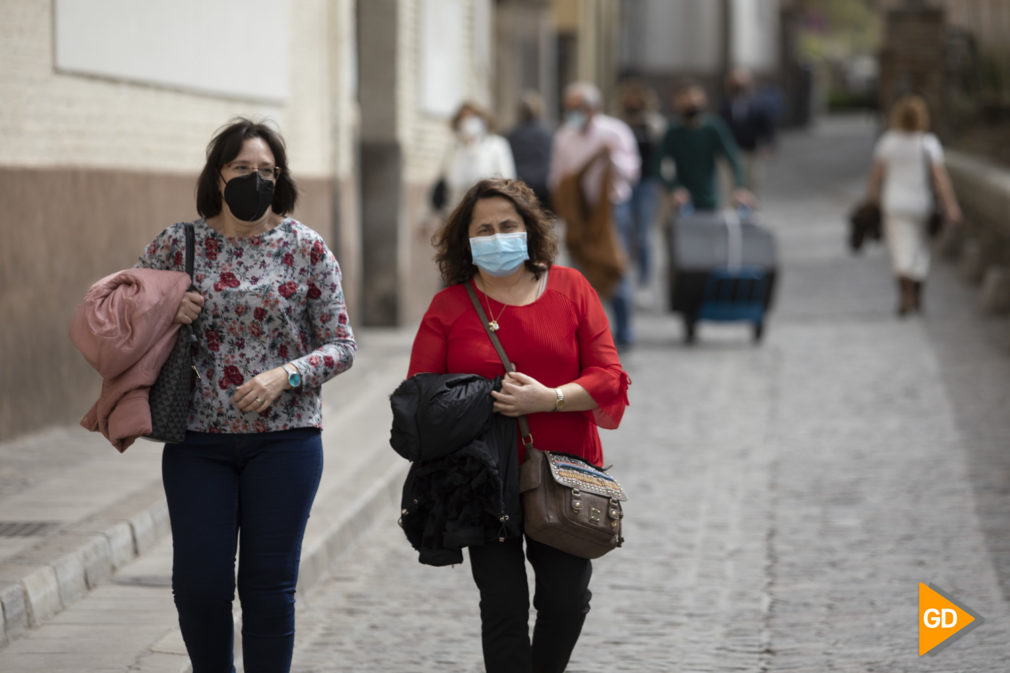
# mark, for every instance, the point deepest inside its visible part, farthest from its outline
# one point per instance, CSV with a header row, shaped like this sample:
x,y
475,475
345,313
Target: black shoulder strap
x,y
190,243
524,426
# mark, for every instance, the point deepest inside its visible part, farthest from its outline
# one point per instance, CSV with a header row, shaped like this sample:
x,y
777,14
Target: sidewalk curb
x,y
382,497
84,557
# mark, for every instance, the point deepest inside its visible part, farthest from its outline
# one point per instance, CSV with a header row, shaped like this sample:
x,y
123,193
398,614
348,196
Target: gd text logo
x,y
941,620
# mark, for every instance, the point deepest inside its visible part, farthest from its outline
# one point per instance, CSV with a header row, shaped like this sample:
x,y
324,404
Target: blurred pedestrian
x,y
695,140
600,151
751,122
907,169
639,109
551,323
530,141
271,323
475,153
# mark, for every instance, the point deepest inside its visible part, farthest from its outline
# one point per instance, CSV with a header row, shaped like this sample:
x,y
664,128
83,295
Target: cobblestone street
x,y
786,499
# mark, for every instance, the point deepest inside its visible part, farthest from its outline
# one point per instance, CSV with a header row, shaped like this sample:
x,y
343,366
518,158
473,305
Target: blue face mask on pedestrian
x,y
501,254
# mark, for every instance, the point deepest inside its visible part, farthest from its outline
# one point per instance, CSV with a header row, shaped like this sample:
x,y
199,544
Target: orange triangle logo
x,y
941,620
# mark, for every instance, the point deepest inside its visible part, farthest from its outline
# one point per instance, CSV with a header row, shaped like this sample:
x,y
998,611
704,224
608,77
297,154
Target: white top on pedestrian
x,y
488,156
903,155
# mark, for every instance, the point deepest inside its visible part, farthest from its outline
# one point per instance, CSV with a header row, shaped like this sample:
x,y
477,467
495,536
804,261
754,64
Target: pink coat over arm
x,y
125,329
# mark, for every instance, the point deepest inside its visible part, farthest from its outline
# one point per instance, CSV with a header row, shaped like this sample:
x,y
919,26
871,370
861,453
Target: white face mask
x,y
472,127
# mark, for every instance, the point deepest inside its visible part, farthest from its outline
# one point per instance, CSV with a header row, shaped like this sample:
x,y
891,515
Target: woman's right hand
x,y
189,308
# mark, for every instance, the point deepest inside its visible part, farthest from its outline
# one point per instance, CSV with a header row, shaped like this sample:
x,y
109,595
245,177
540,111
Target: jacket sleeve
x,y
601,373
123,315
728,148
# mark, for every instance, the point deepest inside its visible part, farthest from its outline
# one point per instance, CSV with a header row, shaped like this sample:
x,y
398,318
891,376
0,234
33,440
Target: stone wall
x,y
982,247
912,59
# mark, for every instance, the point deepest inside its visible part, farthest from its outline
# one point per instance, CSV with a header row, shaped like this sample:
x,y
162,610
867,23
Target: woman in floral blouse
x,y
272,327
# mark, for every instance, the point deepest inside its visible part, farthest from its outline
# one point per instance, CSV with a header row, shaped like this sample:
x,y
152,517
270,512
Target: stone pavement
x,y
786,499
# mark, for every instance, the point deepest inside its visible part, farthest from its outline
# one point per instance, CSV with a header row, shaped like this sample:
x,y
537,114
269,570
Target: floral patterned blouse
x,y
269,299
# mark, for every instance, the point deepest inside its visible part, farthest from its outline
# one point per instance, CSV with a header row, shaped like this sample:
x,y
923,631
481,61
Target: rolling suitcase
x,y
723,267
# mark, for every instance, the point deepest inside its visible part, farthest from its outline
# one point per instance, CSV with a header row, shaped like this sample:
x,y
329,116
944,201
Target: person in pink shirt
x,y
590,137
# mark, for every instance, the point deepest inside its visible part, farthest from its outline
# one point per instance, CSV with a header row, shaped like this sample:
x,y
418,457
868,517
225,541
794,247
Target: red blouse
x,y
561,337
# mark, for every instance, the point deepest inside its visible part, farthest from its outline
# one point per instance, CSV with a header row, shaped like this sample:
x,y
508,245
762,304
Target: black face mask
x,y
249,197
691,113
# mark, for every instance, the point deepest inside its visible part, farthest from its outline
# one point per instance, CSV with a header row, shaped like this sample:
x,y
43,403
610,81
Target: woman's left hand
x,y
259,393
521,394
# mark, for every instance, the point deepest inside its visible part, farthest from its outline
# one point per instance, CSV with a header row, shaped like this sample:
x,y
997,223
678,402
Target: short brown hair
x,y
910,114
452,241
225,146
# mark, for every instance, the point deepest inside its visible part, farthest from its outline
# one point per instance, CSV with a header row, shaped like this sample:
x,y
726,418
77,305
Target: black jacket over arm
x,y
463,484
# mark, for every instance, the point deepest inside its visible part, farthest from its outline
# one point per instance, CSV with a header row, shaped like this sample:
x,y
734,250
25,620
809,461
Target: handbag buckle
x,y
576,500
594,514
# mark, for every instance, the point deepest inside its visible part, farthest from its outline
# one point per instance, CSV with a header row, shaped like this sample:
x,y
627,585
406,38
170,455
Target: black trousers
x,y
561,598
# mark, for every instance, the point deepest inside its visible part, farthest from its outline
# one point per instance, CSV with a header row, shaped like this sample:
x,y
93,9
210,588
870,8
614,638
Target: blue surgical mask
x,y
501,254
576,119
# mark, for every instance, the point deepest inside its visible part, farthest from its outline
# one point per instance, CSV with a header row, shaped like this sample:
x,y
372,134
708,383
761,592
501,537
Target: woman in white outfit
x,y
477,153
906,161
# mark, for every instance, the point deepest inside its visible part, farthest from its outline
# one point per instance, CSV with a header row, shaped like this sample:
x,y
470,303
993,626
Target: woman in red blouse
x,y
568,381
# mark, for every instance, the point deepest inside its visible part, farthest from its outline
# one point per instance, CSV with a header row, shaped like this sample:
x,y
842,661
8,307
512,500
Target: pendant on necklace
x,y
493,324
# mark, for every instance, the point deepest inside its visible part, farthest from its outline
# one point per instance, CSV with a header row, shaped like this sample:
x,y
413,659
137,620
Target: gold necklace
x,y
493,322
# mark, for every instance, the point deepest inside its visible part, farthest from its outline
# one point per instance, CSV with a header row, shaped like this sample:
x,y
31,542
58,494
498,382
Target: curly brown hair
x,y
452,241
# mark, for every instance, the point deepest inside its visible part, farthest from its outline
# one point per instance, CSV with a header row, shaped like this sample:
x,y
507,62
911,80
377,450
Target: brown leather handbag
x,y
568,503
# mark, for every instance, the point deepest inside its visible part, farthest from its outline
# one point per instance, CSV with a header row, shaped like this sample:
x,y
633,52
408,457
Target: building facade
x,y
663,41
105,116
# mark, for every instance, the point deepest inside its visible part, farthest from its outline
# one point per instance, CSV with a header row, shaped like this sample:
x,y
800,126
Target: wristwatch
x,y
294,378
559,403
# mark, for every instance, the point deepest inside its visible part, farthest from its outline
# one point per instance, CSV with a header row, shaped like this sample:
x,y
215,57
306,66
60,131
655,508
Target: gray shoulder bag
x,y
172,392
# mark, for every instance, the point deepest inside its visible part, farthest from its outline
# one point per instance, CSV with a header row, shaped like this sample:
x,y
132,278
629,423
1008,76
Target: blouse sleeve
x,y
329,328
601,375
165,252
429,353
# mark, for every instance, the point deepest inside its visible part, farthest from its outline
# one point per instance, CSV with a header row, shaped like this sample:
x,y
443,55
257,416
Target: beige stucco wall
x,y
53,119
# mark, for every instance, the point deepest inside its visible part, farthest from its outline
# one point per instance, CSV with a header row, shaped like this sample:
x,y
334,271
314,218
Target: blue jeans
x,y
643,209
621,299
220,487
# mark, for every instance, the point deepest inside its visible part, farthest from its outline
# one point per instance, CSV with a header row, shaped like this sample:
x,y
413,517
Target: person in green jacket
x,y
694,141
